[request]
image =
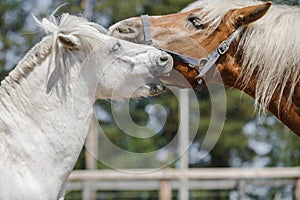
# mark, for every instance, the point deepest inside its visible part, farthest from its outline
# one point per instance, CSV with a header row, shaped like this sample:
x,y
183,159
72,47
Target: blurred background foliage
x,y
247,140
19,33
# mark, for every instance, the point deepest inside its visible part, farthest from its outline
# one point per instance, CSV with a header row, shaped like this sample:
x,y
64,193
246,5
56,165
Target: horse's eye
x,y
196,22
116,47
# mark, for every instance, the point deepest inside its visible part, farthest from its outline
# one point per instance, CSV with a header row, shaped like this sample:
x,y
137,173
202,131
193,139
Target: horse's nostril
x,y
120,30
164,58
124,30
165,61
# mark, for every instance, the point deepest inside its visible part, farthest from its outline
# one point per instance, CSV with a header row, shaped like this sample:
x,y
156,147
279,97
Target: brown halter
x,y
202,65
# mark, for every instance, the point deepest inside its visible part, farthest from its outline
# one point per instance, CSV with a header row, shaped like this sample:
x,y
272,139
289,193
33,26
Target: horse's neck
x,y
40,137
286,111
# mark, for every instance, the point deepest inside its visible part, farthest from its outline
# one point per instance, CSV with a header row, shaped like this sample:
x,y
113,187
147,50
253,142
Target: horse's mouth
x,y
154,85
155,88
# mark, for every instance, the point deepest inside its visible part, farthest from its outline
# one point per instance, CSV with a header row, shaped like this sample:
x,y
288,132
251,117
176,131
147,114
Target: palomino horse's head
x,y
194,33
122,69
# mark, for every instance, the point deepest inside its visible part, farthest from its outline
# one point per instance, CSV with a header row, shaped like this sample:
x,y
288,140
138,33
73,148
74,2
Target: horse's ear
x,y
247,15
69,41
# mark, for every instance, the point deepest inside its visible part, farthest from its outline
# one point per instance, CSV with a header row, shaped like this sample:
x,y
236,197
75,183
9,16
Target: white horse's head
x,y
122,69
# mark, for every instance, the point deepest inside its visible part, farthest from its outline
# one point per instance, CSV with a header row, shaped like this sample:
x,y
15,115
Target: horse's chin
x,y
151,89
155,89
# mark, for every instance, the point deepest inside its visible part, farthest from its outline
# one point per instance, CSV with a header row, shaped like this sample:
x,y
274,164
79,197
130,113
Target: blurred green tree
x,y
243,131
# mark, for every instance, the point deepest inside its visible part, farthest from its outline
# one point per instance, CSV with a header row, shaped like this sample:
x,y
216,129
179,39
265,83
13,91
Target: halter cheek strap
x,y
147,29
202,65
209,62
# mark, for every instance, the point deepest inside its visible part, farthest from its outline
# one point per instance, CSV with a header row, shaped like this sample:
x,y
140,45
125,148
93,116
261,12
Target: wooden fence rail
x,y
197,179
191,174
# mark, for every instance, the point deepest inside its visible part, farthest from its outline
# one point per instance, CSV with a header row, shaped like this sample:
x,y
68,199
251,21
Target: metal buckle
x,y
223,47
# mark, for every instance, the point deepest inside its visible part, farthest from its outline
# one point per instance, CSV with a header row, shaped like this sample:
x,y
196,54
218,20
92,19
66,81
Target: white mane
x,y
270,46
88,32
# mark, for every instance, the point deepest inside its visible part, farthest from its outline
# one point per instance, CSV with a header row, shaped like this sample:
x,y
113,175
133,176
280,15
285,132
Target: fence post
x,y
241,189
184,142
91,143
297,189
88,193
165,191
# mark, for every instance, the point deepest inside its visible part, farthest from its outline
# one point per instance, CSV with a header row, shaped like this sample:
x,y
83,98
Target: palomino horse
x,y
62,75
263,57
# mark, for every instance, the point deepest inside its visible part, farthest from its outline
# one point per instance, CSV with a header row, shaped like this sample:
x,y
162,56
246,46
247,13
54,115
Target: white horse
x,y
46,101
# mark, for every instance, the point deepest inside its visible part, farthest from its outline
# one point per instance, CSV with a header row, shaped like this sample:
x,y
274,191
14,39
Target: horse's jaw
x,y
133,74
142,87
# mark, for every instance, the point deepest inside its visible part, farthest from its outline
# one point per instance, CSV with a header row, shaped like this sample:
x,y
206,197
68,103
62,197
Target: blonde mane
x,y
60,57
270,46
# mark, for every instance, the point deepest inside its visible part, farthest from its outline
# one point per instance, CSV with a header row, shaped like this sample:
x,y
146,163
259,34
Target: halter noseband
x,y
206,64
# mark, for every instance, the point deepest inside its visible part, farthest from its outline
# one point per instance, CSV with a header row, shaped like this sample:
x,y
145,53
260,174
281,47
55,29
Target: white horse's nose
x,y
164,59
163,64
